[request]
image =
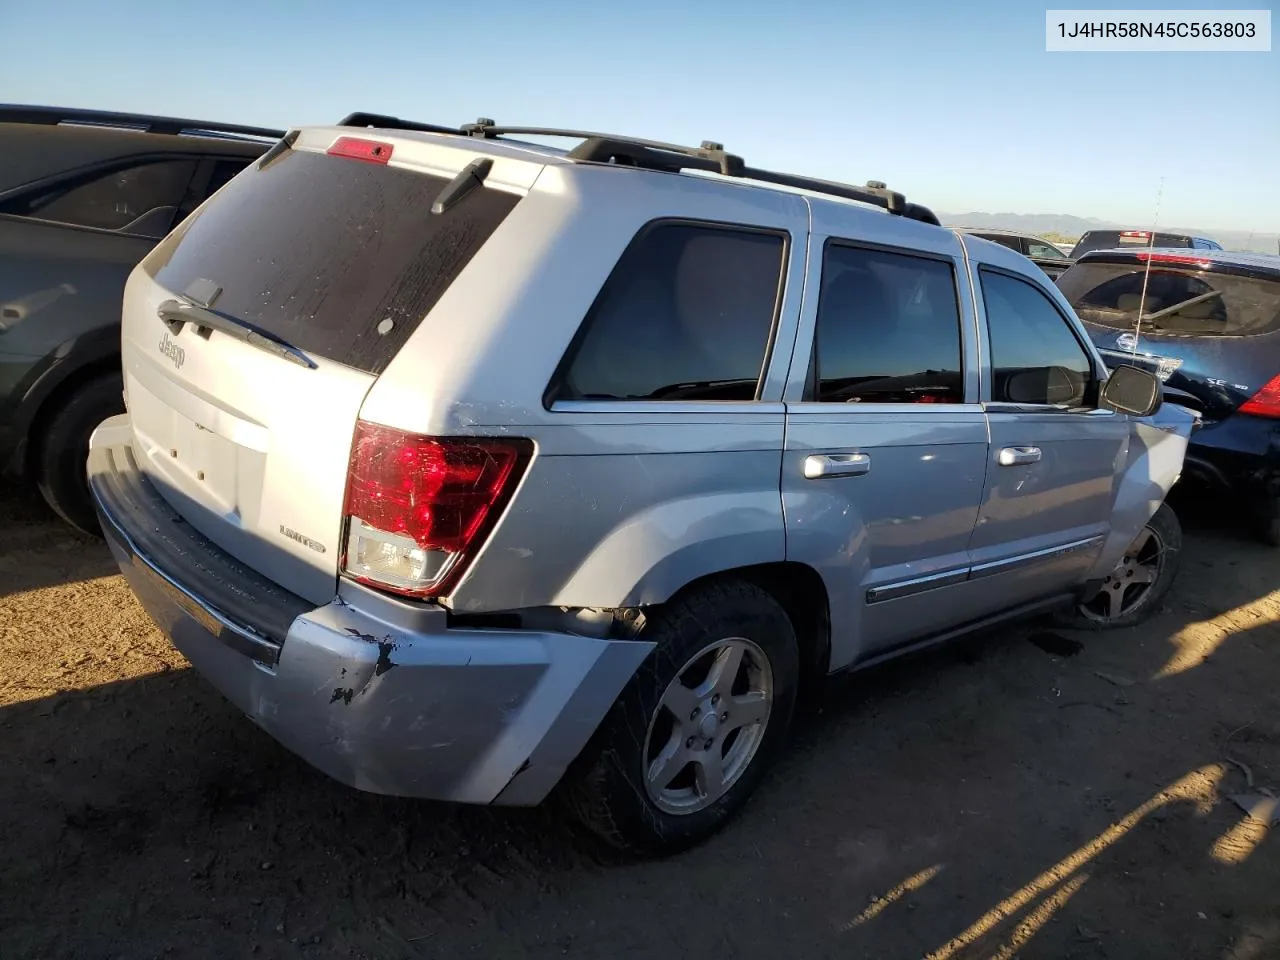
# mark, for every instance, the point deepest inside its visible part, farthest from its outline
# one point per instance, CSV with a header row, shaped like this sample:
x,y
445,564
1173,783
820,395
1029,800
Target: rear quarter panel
x,y
623,503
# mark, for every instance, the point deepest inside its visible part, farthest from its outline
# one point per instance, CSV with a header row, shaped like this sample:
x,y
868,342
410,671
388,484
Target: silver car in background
x,y
472,469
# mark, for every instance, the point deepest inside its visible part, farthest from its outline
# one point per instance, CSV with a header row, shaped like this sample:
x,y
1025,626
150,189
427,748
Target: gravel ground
x,y
1031,793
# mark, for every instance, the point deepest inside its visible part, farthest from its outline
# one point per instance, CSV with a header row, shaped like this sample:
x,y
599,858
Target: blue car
x,y
1207,322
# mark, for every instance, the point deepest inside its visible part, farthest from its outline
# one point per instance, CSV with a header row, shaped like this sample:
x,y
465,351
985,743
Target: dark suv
x,y
84,195
1137,239
1210,328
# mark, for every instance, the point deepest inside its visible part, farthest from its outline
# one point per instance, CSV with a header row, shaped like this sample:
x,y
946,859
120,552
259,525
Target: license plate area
x,y
206,460
165,590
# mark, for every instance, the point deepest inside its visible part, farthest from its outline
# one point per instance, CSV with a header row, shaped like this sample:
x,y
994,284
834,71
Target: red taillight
x,y
355,148
1174,258
417,506
1264,403
1135,233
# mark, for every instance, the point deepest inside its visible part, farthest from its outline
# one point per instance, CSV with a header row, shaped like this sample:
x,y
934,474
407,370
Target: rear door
x,y
335,257
1047,257
66,249
1051,473
886,444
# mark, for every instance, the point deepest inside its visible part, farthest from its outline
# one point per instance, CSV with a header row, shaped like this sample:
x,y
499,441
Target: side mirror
x,y
1042,385
1132,390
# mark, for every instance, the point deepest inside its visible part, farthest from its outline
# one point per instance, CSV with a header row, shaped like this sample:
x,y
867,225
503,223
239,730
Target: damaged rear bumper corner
x,y
472,716
463,715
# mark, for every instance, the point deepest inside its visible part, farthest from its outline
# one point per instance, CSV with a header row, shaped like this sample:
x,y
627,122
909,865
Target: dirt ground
x,y
1030,794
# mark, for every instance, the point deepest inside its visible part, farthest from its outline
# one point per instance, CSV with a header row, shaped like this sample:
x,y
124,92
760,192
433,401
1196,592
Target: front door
x,y
1051,473
886,444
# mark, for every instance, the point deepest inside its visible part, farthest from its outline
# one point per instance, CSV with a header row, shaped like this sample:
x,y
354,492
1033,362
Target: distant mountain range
x,y
1066,225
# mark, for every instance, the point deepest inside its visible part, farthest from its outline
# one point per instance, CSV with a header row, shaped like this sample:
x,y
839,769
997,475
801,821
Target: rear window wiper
x,y
176,313
1169,311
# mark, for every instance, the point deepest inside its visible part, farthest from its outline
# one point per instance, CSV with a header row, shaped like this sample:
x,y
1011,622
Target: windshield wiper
x,y
176,313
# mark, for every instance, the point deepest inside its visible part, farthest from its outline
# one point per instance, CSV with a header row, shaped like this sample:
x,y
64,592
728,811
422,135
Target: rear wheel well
x,y
57,399
799,590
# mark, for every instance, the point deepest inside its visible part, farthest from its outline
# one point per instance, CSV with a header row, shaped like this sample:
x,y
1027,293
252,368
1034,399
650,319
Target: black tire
x,y
1270,532
607,787
62,447
1166,527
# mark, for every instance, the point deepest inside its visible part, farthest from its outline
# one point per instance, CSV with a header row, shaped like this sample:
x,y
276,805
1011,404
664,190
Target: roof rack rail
x,y
146,123
392,123
710,157
656,155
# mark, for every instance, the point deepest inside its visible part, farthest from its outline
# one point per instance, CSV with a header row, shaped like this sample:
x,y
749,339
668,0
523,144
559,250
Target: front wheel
x,y
696,728
1270,531
1134,589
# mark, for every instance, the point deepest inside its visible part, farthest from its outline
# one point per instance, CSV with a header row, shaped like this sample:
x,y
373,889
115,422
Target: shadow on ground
x,y
1036,793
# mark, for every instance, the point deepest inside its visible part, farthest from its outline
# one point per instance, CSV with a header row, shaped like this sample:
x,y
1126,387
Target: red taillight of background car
x,y
1266,402
417,508
1175,258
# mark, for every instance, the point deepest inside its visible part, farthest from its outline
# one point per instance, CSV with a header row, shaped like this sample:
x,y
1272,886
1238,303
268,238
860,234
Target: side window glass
x,y
888,329
1043,250
141,199
687,314
1035,356
1013,243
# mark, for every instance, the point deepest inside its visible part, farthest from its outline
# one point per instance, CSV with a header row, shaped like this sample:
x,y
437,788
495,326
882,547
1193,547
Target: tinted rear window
x,y
1180,302
1115,240
322,251
687,314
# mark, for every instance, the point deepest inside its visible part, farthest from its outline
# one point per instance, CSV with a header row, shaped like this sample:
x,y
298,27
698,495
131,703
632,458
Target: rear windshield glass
x,y
1115,240
324,251
1180,302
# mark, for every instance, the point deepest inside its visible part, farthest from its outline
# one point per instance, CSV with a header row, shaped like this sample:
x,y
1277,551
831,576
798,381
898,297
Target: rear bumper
x,y
381,696
1239,457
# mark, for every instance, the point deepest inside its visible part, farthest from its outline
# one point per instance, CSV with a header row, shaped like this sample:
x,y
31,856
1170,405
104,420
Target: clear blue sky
x,y
956,104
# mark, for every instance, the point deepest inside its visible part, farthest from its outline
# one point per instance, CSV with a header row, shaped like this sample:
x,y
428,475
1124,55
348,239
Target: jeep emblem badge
x,y
172,351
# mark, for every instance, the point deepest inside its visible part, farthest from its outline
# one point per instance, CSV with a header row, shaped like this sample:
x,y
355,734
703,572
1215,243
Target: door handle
x,y
1013,456
819,465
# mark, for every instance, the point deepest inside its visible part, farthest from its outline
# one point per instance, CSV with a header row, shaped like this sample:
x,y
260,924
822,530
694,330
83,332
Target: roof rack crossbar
x,y
604,146
147,123
362,119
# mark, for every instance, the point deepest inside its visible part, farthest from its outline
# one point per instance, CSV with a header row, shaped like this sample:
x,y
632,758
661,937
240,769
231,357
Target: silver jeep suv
x,y
471,468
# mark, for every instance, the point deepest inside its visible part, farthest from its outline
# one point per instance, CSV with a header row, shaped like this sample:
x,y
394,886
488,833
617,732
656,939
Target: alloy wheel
x,y
708,725
1130,583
